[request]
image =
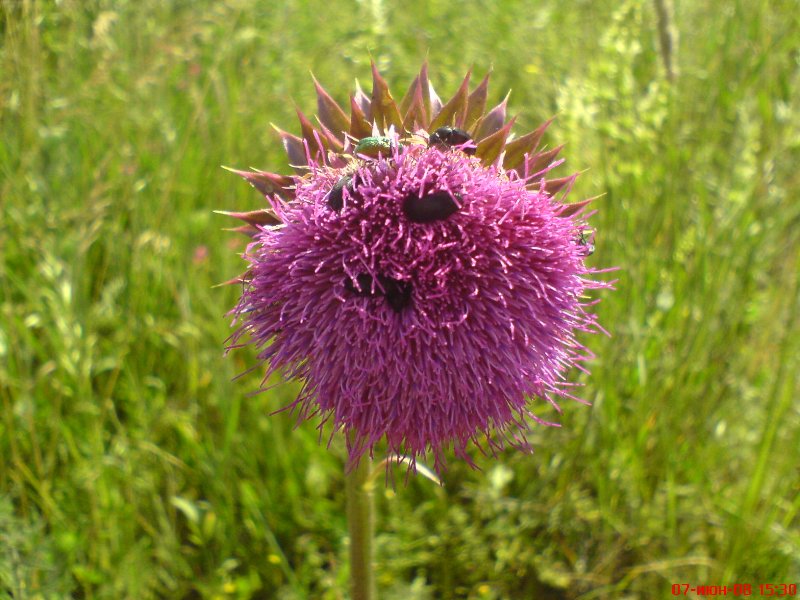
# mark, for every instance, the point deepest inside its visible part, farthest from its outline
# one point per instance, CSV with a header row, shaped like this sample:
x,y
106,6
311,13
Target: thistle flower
x,y
420,272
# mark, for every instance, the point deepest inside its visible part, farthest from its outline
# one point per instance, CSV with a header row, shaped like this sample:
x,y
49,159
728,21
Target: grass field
x,y
132,466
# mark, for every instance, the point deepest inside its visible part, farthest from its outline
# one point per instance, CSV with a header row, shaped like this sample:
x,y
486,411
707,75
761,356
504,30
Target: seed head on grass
x,y
420,273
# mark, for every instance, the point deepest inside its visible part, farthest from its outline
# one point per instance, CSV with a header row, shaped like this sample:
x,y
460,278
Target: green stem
x,y
360,524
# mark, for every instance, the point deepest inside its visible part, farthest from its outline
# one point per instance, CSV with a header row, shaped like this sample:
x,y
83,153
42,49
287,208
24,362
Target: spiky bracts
x,y
417,272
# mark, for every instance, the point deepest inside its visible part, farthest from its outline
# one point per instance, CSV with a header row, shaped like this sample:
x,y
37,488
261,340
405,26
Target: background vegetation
x,y
132,466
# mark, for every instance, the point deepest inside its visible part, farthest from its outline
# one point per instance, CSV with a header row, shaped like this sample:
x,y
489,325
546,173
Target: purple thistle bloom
x,y
421,286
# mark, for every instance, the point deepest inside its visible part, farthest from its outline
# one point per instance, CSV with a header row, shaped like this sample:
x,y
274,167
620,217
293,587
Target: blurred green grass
x,y
132,466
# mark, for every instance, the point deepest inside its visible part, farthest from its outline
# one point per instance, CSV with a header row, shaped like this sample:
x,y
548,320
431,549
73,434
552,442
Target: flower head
x,y
420,273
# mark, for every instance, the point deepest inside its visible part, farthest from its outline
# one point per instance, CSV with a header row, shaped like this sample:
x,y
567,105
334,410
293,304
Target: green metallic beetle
x,y
373,146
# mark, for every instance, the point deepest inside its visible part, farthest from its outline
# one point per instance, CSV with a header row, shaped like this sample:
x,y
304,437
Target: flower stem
x,y
360,523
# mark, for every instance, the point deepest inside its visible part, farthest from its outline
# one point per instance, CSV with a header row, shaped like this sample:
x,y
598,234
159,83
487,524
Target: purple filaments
x,y
429,327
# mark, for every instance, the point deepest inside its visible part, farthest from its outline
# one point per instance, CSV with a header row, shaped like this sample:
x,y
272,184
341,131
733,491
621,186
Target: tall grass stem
x,y
666,36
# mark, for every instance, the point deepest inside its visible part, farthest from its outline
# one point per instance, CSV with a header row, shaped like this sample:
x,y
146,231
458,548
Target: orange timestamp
x,y
777,590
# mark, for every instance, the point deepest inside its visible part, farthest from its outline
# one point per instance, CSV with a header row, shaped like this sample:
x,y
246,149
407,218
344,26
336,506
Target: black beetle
x,y
397,293
431,207
336,195
452,136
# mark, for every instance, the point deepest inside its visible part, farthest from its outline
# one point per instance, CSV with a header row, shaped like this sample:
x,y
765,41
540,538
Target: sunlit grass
x,y
132,466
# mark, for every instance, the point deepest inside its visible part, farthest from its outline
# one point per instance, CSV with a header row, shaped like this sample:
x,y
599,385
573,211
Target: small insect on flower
x,y
374,146
435,206
445,296
586,239
336,195
397,293
447,137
